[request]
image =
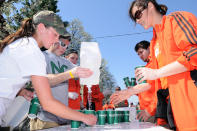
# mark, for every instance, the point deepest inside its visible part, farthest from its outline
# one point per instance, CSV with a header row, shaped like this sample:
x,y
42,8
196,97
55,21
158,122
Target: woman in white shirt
x,y
21,60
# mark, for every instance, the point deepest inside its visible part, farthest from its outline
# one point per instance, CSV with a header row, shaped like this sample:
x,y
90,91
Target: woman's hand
x,y
144,73
143,115
81,72
90,119
119,96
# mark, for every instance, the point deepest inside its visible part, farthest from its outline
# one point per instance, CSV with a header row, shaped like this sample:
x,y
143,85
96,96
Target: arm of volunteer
x,y
76,72
153,74
55,107
139,88
119,96
171,69
55,79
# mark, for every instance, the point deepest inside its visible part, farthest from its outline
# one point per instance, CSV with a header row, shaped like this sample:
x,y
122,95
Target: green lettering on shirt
x,y
58,68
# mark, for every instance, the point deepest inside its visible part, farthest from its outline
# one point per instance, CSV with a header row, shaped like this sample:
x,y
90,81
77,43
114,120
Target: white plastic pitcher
x,y
90,57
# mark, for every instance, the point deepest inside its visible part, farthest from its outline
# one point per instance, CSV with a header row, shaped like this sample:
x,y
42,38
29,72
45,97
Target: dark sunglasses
x,y
138,13
62,44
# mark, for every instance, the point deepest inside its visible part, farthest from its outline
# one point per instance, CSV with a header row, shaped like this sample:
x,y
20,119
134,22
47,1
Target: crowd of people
x,y
170,71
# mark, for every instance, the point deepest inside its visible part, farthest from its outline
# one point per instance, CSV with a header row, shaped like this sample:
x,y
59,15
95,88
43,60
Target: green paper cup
x,y
101,115
133,81
75,124
127,82
126,116
110,116
119,116
140,78
122,116
34,108
116,117
90,112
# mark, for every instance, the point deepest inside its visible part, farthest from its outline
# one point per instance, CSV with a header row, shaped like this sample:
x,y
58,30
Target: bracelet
x,y
71,75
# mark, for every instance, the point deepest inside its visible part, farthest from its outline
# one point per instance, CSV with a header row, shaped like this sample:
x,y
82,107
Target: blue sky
x,y
109,18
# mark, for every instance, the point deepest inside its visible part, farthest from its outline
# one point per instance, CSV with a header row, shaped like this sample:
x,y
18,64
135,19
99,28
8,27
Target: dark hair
x,y
142,44
162,9
118,88
27,29
70,51
66,37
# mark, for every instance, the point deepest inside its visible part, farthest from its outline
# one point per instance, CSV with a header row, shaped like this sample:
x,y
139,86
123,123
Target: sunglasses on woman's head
x,y
138,13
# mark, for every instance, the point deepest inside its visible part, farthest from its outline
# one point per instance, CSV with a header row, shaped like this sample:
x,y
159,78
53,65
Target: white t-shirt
x,y
18,61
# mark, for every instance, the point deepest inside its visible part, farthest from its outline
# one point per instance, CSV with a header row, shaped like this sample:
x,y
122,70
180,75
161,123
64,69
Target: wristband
x,y
71,75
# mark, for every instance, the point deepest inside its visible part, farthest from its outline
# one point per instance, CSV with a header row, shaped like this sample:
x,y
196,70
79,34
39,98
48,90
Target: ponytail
x,y
163,9
27,29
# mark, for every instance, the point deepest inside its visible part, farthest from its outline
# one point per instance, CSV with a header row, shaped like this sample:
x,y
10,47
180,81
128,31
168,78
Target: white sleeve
x,y
32,64
30,60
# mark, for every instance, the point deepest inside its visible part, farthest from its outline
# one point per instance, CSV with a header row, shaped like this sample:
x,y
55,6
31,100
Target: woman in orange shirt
x,y
174,48
173,52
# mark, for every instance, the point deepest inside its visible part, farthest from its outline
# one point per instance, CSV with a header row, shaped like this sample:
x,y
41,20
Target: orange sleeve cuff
x,y
189,64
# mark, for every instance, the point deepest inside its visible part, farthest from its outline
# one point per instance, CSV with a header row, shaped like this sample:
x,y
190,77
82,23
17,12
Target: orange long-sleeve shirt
x,y
97,97
85,95
175,39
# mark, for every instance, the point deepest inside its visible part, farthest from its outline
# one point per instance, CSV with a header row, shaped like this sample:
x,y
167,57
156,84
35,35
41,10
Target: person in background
x,y
97,97
22,61
147,99
73,84
123,103
85,96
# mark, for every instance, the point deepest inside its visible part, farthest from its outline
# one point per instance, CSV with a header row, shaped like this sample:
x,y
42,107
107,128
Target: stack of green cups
x,y
76,124
119,116
101,115
126,81
140,78
110,116
133,81
126,116
116,117
89,112
122,116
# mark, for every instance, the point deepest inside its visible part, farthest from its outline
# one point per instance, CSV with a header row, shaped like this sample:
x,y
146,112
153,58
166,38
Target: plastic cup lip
x,y
89,110
140,66
101,111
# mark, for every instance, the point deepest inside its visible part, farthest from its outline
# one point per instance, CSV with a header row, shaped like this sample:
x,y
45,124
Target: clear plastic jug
x,y
90,57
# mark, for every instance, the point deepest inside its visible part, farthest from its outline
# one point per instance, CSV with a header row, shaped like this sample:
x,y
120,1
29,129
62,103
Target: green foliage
x,y
78,34
14,11
7,8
